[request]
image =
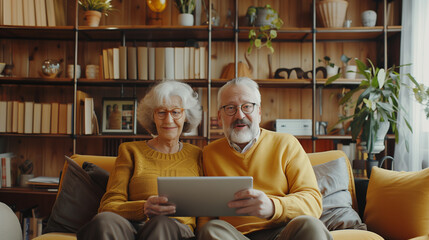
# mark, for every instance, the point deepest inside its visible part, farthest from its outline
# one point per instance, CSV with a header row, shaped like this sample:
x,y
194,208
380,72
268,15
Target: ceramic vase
x,y
332,12
261,17
92,18
331,71
186,19
369,18
350,71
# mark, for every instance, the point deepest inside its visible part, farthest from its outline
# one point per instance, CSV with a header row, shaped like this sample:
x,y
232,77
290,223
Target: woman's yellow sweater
x,y
134,177
280,168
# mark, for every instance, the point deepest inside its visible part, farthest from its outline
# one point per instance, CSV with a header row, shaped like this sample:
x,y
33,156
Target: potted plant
x,y
94,9
268,21
331,68
186,7
377,106
349,70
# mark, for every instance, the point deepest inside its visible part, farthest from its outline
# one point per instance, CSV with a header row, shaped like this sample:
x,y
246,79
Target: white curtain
x,y
414,50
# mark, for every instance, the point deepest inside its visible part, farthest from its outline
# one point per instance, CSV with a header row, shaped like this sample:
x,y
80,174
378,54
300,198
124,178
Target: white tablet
x,y
202,196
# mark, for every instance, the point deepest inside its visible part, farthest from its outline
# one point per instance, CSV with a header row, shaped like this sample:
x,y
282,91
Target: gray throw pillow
x,y
333,179
79,199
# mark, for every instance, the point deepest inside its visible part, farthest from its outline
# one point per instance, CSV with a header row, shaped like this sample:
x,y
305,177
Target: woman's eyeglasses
x,y
175,113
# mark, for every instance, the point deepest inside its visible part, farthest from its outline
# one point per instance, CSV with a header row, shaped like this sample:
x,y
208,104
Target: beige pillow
x,y
397,203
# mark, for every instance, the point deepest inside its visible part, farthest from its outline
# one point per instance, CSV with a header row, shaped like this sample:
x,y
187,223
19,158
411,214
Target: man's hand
x,y
156,205
252,202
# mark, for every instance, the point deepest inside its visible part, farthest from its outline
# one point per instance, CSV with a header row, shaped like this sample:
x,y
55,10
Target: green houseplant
x,y
331,68
268,26
94,9
377,103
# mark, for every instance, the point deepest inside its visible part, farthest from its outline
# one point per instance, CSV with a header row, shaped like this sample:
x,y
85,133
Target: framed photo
x,y
119,115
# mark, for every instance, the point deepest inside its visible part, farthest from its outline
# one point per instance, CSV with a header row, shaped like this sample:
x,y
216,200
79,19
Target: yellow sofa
x,y
107,163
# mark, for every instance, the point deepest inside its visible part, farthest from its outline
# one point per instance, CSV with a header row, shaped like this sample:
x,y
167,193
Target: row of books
x,y
6,169
35,118
33,12
154,63
31,221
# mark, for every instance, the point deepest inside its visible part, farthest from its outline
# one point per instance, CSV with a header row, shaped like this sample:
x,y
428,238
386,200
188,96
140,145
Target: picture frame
x,y
119,116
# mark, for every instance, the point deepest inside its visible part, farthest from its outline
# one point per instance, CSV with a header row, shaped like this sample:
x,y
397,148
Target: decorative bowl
x,y
51,68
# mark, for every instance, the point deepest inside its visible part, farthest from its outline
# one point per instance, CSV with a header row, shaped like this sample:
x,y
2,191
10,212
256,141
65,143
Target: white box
x,y
301,127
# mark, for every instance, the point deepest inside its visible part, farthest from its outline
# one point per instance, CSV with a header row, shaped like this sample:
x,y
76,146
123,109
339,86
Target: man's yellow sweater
x,y
280,168
134,177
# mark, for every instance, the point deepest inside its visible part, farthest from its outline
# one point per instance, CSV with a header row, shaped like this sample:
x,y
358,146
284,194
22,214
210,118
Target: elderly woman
x,y
130,208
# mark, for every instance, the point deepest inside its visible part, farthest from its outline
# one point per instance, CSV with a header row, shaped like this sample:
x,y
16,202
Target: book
x,y
88,116
169,63
3,116
106,70
116,66
69,118
46,118
122,62
17,13
28,117
197,63
80,103
15,116
110,62
62,118
40,10
178,62
60,12
29,13
203,63
37,118
142,61
54,117
9,116
6,169
50,13
152,63
159,63
191,63
7,13
21,115
186,57
132,63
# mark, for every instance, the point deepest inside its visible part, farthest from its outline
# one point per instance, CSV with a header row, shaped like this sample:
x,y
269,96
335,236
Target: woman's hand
x,y
156,205
252,202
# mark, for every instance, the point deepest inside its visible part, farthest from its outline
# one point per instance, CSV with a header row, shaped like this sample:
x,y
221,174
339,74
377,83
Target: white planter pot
x,y
350,71
331,71
186,19
369,18
379,139
261,18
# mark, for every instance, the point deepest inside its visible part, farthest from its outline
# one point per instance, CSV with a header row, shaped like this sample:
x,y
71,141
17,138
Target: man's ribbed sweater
x,y
280,168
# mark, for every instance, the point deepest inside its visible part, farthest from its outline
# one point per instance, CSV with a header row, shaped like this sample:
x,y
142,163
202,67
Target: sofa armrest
x,y
361,185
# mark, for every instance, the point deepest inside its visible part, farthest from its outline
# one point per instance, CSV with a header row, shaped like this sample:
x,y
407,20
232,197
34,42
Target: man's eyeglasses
x,y
246,108
175,113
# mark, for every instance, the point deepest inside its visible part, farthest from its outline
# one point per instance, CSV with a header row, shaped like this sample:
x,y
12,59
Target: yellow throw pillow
x,y
397,203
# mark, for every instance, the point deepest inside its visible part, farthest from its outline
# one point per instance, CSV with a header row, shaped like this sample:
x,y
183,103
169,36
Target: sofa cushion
x,y
79,197
397,203
332,178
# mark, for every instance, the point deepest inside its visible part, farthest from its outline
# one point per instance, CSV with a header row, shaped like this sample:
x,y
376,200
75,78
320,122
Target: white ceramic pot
x,y
186,19
261,17
369,18
350,71
332,12
91,71
70,71
331,71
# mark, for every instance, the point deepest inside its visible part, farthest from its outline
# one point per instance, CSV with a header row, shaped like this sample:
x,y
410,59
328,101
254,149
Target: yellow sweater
x,y
280,168
134,177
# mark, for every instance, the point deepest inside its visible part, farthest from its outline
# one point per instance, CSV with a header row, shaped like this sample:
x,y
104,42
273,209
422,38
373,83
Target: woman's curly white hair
x,y
161,94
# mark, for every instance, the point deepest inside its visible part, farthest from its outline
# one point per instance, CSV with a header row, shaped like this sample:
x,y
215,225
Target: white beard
x,y
242,136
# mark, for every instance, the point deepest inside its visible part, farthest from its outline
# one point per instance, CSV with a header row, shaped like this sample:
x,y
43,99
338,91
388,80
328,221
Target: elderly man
x,y
285,202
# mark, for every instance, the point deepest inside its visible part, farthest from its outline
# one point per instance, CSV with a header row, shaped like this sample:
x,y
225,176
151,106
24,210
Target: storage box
x,y
301,127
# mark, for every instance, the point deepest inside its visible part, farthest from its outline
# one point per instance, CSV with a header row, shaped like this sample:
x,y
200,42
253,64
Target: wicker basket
x,y
332,12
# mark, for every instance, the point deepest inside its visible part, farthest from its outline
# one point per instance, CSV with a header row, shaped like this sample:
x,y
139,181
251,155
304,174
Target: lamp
x,y
156,6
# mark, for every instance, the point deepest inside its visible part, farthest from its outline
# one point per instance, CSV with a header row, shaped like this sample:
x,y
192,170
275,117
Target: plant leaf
x,y
381,76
